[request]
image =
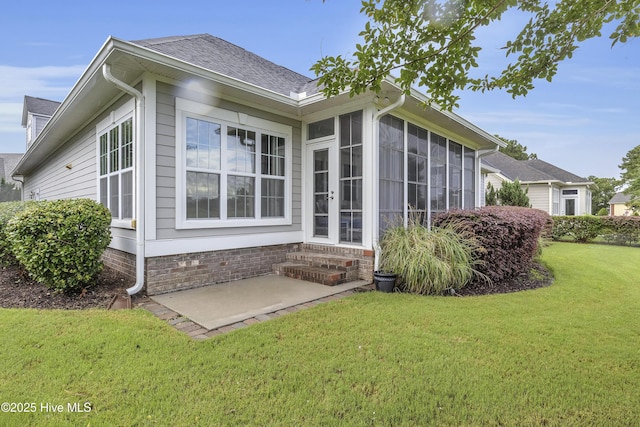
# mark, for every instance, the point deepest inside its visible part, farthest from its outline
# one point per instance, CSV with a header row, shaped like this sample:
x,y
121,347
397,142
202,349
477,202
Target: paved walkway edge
x,y
196,331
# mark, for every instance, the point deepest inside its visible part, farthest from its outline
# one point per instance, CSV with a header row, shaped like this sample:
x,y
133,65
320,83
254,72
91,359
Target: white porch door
x,y
322,199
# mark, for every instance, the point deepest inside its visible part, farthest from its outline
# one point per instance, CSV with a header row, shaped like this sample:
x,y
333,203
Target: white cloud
x,y
45,82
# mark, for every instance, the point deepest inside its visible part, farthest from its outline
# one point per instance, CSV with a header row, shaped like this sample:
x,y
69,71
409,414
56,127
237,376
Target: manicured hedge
x,y
583,229
7,211
509,237
60,242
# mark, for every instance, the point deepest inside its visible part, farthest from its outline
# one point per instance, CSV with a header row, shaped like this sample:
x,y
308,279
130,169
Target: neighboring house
x,y
36,112
8,162
550,188
618,205
217,164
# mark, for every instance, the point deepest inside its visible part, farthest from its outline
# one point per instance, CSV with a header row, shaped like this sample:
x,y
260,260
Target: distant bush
x,y
60,242
509,237
613,229
623,230
7,211
582,228
427,261
603,212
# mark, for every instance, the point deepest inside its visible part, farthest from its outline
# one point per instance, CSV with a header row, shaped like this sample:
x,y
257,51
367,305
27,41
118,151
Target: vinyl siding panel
x,y
539,196
53,180
166,167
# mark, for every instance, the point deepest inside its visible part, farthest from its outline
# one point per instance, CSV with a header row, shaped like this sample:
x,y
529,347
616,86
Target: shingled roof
x,y
533,170
220,56
40,106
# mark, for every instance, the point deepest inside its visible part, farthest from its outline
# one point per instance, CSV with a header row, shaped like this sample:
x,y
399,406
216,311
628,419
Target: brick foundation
x,y
120,261
177,272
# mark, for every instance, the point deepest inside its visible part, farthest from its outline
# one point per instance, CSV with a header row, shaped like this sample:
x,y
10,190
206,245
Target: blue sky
x,y
585,121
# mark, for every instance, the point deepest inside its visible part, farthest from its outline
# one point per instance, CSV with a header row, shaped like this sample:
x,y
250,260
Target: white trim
x,y
187,108
219,243
115,118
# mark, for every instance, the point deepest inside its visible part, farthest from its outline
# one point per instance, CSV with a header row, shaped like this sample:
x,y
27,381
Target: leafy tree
x,y
432,43
491,196
516,150
9,192
631,176
602,191
512,194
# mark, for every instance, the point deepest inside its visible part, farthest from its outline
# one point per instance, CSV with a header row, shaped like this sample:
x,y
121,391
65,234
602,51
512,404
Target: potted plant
x,y
384,281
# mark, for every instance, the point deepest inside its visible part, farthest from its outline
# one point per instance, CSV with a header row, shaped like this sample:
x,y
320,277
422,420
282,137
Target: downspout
x,y
376,136
140,173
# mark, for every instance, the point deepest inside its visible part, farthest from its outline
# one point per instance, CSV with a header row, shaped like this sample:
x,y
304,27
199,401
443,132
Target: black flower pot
x,y
385,282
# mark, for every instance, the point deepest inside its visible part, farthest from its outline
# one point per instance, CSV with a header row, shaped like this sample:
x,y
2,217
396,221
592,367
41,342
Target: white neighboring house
x,y
219,165
36,112
550,188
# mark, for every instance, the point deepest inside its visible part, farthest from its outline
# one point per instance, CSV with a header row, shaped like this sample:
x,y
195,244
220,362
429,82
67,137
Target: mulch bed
x,y
17,290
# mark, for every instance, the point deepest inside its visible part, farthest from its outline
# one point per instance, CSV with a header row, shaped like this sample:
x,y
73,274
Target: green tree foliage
x,y
516,150
512,194
491,196
431,43
631,176
9,192
602,191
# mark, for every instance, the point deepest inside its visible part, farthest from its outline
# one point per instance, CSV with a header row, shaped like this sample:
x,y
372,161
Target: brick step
x,y
328,260
323,275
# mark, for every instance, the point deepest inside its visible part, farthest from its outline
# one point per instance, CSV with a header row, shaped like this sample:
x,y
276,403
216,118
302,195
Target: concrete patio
x,y
219,306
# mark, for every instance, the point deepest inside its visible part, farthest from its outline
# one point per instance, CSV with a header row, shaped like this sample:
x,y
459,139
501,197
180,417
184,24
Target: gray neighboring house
x,y
550,188
218,165
8,162
36,112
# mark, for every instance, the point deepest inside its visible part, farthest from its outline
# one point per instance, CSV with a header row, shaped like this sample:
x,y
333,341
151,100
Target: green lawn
x,y
564,355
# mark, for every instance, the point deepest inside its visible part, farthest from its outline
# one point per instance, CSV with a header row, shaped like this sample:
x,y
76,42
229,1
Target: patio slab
x,y
224,304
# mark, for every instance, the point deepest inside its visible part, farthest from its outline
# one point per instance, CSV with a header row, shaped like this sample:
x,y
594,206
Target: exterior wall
x,y
494,179
177,272
53,180
539,197
166,168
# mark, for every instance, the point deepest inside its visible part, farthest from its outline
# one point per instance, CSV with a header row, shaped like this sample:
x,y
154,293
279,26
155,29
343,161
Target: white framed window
x,y
233,170
116,159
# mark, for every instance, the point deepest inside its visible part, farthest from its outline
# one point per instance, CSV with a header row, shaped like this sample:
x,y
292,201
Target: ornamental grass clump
x,y
429,261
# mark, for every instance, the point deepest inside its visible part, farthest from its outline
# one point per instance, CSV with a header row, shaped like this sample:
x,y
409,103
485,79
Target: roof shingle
x,y
220,56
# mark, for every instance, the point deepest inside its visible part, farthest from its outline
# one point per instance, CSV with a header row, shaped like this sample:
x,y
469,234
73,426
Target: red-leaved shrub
x,y
509,237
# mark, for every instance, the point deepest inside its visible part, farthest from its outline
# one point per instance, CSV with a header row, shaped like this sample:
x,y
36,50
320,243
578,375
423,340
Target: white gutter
x,y
140,173
376,135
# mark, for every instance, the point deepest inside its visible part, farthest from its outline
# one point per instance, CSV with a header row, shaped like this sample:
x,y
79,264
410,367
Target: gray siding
x,y
166,166
53,180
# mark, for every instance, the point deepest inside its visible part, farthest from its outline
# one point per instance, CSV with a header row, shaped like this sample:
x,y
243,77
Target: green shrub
x,y
427,261
60,242
512,194
603,212
582,228
7,211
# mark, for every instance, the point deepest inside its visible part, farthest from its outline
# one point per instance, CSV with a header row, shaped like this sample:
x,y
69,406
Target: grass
x,y
563,355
